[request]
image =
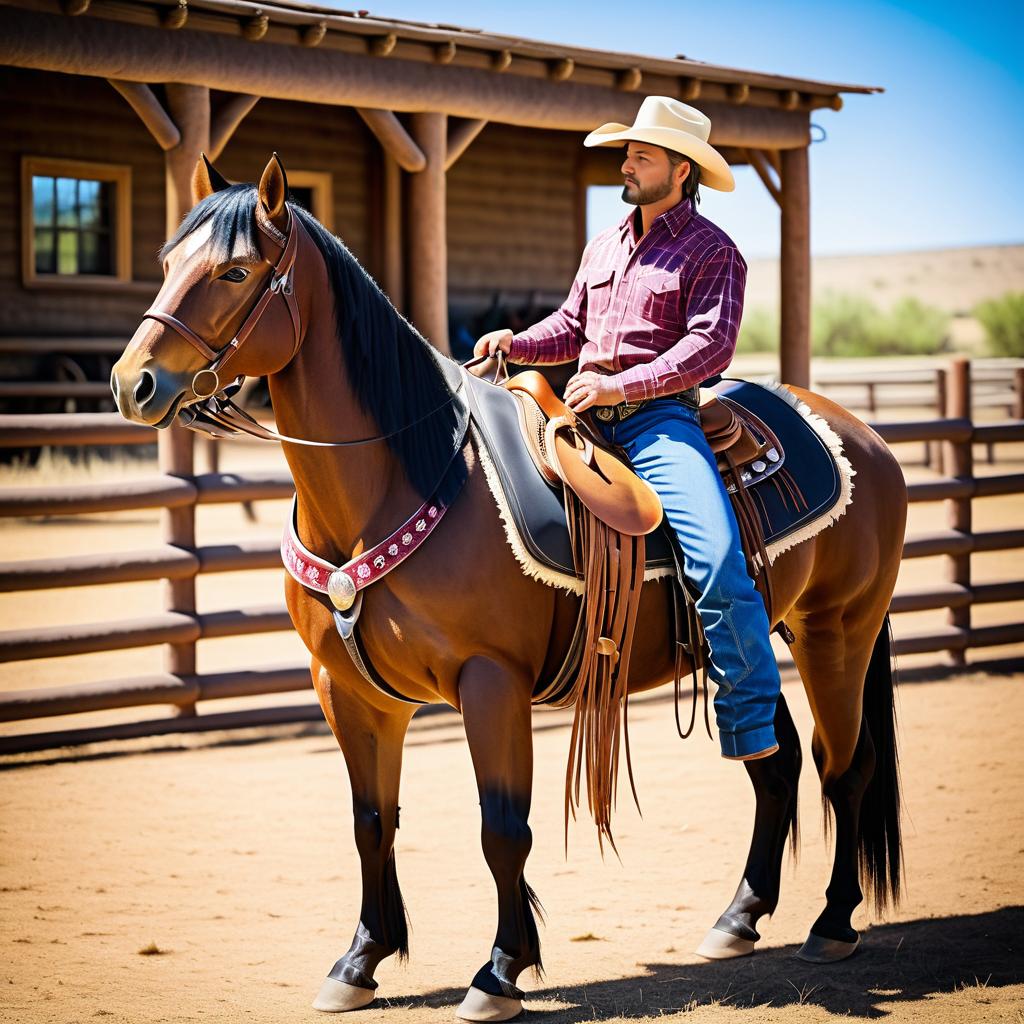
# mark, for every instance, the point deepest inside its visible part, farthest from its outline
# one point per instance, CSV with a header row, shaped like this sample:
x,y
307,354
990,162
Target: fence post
x,y
176,447
959,458
1018,393
938,460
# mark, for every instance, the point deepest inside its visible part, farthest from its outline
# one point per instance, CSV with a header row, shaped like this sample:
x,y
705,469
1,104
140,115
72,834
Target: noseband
x,y
207,381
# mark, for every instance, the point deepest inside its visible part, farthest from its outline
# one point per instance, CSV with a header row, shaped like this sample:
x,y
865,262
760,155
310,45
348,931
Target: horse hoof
x,y
338,996
719,945
480,1005
819,950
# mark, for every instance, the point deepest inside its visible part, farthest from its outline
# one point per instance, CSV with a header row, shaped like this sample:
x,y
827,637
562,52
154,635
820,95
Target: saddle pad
x,y
532,510
814,457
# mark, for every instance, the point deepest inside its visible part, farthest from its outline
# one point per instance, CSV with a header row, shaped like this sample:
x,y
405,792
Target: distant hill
x,y
953,280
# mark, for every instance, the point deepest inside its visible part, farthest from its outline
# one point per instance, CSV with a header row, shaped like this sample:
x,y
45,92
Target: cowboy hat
x,y
663,121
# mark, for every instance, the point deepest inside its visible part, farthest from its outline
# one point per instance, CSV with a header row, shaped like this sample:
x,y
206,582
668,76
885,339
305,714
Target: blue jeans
x,y
667,447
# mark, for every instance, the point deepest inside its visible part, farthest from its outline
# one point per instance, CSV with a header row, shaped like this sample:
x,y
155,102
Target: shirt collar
x,y
675,219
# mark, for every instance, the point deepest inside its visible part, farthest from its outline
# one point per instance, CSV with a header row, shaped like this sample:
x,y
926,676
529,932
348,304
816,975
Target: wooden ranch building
x,y
449,159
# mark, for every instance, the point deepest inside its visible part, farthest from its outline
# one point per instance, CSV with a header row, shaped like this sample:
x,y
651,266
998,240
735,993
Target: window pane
x,y
67,252
95,253
46,256
92,203
42,200
67,195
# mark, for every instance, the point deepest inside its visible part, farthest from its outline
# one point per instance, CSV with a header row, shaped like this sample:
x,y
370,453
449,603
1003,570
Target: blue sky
x,y
934,161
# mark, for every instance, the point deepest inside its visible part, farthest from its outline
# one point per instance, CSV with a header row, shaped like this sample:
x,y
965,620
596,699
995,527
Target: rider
x,y
654,311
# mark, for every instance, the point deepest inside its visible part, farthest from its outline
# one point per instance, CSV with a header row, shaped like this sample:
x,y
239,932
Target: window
x,y
312,191
76,222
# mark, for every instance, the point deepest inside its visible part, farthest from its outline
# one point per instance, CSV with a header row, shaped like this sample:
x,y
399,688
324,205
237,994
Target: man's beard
x,y
637,196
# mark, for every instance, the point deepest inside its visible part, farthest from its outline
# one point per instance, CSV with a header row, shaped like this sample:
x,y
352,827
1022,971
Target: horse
x,y
252,278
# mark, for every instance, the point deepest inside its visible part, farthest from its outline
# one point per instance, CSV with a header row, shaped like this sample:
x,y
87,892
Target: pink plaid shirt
x,y
661,313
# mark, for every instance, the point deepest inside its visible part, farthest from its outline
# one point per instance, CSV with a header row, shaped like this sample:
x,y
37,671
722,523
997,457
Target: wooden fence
x,y
178,490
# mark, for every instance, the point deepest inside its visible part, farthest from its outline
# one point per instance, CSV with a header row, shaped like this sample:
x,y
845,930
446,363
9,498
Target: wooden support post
x,y
761,164
427,280
393,282
189,107
938,461
795,270
1018,393
960,461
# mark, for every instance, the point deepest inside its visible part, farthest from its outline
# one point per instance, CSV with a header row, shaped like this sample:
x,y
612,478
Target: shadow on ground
x,y
897,964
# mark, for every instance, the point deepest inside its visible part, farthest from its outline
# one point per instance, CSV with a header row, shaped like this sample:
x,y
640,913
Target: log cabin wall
x,y
314,137
513,215
76,117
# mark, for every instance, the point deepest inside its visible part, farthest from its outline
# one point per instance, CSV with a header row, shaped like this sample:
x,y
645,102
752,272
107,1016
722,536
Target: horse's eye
x,y
234,274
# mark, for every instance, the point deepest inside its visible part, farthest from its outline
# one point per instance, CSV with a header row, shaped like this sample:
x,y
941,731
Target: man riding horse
x,y
654,310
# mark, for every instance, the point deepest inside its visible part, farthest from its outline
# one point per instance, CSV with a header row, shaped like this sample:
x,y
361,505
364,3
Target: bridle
x,y
207,381
214,413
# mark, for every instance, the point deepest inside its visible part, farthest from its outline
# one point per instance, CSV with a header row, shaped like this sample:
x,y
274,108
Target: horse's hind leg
x,y
371,740
496,710
775,780
833,651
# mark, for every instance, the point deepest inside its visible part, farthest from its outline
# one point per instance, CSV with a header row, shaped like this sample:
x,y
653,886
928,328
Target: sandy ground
x,y
233,855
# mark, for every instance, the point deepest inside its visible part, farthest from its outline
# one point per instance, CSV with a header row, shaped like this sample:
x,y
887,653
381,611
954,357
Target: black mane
x,y
397,376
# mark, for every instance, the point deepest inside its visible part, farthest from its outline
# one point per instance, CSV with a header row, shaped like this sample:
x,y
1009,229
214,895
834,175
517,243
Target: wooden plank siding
x,y
514,210
313,137
513,215
78,118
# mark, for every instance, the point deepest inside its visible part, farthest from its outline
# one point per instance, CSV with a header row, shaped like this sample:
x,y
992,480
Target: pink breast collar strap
x,y
343,583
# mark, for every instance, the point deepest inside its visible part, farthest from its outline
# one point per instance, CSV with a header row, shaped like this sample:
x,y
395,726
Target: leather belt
x,y
617,413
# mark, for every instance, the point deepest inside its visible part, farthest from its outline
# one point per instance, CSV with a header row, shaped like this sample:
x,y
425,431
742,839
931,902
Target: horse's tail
x,y
880,847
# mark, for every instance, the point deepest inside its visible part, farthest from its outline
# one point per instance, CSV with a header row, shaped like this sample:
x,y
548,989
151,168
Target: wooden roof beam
x,y
226,119
460,137
151,112
761,164
394,138
128,52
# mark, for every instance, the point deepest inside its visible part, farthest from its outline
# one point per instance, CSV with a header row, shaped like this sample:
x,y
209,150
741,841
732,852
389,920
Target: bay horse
x,y
460,622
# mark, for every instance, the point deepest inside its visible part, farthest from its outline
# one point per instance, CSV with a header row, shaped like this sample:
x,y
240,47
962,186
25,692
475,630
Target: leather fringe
x,y
612,566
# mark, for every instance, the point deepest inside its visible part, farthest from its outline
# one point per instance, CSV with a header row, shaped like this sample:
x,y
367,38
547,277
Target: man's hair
x,y
691,187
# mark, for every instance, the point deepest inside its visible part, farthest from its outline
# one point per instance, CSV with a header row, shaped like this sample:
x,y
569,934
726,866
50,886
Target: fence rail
x,y
178,560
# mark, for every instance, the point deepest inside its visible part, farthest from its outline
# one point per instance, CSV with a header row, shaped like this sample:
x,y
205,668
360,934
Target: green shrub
x,y
759,332
1003,320
846,326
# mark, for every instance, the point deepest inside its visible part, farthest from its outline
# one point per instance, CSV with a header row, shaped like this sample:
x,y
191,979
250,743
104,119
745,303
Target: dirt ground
x,y
232,854
214,877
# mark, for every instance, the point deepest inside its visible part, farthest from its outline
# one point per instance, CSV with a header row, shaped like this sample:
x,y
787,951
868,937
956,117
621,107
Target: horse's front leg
x,y
371,740
496,709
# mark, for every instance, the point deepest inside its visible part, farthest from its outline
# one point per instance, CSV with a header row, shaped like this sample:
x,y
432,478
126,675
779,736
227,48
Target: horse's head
x,y
226,307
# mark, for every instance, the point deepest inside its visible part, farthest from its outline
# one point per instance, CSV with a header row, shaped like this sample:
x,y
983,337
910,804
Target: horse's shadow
x,y
899,963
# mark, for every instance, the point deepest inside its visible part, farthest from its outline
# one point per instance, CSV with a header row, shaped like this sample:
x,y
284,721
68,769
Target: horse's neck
x,y
348,497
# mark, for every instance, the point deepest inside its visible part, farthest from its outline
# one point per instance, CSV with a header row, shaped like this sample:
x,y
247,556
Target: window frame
x,y
322,184
120,175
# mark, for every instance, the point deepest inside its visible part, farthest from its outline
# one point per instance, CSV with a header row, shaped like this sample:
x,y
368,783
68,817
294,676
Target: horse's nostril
x,y
145,389
114,385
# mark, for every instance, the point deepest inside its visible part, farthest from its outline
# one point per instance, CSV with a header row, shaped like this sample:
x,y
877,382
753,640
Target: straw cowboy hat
x,y
666,122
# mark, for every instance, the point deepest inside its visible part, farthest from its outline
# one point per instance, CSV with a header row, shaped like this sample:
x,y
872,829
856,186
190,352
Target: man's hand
x,y
489,344
589,388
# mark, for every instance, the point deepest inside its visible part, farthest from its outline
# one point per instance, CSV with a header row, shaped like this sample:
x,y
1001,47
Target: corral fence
x,y
178,491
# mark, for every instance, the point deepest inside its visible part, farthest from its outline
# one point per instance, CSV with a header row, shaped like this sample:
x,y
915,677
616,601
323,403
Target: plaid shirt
x,y
662,313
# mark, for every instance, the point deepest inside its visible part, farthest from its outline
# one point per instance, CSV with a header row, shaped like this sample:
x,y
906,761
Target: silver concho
x,y
773,455
341,590
759,466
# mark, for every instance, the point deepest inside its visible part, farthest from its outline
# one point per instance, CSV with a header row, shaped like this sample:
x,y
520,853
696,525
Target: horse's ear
x,y
274,192
206,180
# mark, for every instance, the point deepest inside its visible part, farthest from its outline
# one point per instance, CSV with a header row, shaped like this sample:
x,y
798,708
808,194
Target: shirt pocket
x,y
599,293
661,301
